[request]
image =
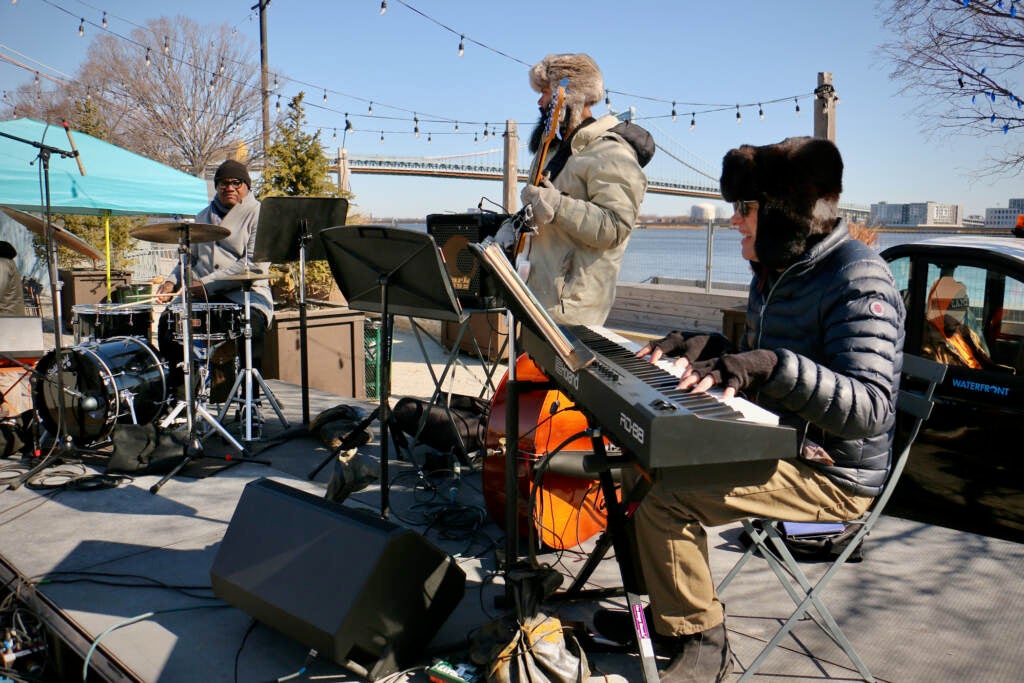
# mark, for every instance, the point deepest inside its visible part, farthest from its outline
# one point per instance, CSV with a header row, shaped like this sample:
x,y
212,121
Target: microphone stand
x,y
63,444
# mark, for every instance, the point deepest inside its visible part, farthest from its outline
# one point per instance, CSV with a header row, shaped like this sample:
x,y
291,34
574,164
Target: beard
x,y
537,136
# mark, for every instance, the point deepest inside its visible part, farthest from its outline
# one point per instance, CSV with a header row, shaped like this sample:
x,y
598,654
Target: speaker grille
x,y
453,232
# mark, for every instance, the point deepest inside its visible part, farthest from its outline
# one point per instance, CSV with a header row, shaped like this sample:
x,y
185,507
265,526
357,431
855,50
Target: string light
x,y
325,95
475,139
81,27
104,22
382,137
370,110
415,124
462,46
147,56
960,80
797,102
37,78
383,9
607,99
693,120
348,124
456,126
739,116
760,111
334,135
167,45
277,105
428,138
673,111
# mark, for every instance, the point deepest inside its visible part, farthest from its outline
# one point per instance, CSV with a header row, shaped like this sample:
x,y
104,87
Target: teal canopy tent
x,y
104,179
116,182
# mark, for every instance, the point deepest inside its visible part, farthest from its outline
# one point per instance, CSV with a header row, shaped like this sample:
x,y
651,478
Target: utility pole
x,y
264,90
825,101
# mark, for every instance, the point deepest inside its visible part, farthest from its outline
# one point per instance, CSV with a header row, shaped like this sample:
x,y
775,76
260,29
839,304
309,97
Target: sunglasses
x,y
744,206
229,183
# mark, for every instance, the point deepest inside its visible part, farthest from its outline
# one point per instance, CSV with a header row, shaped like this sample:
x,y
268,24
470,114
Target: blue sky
x,y
743,51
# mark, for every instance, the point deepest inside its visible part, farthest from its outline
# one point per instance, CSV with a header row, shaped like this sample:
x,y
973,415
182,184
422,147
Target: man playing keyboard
x,y
823,350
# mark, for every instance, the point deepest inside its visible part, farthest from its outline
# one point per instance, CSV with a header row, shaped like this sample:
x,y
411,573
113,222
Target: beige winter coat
x,y
575,259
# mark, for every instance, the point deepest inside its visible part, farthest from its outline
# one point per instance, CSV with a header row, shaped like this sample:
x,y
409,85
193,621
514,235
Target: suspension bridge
x,y
674,171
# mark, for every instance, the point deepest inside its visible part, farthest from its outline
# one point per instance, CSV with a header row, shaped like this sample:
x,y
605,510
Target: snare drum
x,y
210,321
92,322
116,380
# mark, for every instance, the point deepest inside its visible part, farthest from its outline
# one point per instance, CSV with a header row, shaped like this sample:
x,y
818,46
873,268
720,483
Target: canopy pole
x,y
106,232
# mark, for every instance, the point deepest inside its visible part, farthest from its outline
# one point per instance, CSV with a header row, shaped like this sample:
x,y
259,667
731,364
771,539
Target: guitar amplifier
x,y
453,232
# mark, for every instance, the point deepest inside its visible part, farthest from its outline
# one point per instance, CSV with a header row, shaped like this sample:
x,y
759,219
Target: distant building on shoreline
x,y
922,215
1004,219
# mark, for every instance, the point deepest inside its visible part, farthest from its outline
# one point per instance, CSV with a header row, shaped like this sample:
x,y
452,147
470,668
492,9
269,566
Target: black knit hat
x,y
232,169
788,180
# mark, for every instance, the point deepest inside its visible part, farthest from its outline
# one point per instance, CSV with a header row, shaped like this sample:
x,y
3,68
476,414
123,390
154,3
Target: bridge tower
x,y
825,107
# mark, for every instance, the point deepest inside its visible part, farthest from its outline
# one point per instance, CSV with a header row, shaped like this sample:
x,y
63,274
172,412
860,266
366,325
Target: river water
x,y
682,253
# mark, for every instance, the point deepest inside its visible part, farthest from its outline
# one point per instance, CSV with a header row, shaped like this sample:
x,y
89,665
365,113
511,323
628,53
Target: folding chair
x,y
914,405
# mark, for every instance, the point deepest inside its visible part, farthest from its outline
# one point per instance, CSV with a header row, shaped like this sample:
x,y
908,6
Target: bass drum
x,y
567,510
115,380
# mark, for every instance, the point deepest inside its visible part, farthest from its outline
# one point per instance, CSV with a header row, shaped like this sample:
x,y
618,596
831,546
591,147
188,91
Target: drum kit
x,y
113,374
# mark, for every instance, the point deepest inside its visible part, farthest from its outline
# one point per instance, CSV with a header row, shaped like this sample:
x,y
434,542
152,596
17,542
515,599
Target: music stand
x,y
284,234
389,270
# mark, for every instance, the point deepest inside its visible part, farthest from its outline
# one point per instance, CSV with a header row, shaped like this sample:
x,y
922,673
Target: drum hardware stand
x,y
248,374
64,447
193,447
286,228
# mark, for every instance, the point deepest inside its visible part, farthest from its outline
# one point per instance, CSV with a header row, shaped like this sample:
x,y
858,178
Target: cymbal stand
x,y
248,374
194,446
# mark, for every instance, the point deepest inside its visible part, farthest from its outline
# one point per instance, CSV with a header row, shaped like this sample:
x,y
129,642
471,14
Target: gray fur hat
x,y
796,183
586,85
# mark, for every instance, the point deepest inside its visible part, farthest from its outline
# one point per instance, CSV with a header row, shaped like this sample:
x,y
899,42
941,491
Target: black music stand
x,y
389,270
285,234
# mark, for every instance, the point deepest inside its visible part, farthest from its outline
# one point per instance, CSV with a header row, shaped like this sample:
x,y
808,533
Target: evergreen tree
x,y
296,166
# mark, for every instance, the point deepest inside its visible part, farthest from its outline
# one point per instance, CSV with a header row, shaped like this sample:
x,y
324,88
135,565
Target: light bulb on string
x,y
797,103
277,105
81,27
103,23
475,139
348,124
220,69
370,109
428,138
607,99
760,111
147,56
382,137
167,45
693,121
673,111
383,9
960,80
739,116
275,82
334,134
456,126
37,78
325,95
992,119
462,47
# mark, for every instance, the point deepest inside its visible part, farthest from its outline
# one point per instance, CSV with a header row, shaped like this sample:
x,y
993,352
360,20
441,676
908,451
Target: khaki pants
x,y
672,544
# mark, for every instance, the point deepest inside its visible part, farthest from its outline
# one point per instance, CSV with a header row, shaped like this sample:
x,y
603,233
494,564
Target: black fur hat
x,y
796,183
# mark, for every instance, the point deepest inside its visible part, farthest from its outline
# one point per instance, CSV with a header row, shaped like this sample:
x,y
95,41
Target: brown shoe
x,y
703,657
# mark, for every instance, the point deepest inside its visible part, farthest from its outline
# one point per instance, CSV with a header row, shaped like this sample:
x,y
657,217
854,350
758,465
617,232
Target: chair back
x,y
921,377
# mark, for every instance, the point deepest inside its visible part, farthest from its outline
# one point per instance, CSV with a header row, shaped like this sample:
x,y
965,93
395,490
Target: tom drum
x,y
94,322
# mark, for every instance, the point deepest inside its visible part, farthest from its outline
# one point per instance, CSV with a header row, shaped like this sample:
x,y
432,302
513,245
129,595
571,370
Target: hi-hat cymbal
x,y
175,232
248,276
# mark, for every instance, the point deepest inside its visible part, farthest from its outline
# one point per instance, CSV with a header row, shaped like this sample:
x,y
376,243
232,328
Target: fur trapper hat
x,y
796,183
586,85
232,169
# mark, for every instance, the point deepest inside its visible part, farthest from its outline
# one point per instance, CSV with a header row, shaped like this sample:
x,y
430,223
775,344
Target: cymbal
x,y
62,236
175,231
248,276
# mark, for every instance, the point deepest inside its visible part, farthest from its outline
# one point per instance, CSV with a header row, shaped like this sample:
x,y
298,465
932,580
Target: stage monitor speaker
x,y
363,591
474,287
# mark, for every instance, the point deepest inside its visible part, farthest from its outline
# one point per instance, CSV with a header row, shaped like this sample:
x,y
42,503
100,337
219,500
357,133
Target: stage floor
x,y
927,604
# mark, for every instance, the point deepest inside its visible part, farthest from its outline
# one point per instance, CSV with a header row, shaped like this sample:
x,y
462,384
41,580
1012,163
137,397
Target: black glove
x,y
745,371
694,347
